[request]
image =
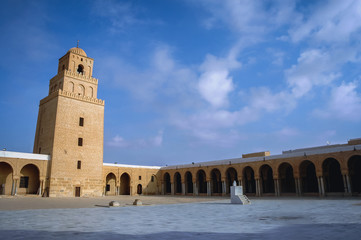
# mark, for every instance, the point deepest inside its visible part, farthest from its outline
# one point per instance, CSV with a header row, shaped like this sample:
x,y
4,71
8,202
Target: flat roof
x,y
129,166
35,156
288,154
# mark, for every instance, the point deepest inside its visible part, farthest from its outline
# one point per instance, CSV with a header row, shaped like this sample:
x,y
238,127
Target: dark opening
x,y
189,185
80,141
309,182
139,189
249,181
332,175
79,165
267,179
77,191
107,187
354,168
167,183
178,183
152,179
80,69
216,181
202,184
81,121
24,182
140,177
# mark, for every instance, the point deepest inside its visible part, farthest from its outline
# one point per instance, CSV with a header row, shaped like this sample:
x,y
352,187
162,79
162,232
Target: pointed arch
x,y
124,184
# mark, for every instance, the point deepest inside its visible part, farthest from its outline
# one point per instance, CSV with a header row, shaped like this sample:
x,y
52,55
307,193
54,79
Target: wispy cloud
x,y
120,142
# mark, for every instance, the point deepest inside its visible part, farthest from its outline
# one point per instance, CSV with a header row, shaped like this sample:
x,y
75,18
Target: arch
x,y
308,177
354,169
90,92
177,183
201,181
71,87
231,175
80,69
167,184
139,189
216,181
287,180
29,179
332,175
266,176
124,184
6,178
189,182
249,181
81,90
110,182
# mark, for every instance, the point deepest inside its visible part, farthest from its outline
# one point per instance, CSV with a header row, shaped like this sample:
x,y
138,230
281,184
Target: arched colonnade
x,y
114,186
26,178
327,175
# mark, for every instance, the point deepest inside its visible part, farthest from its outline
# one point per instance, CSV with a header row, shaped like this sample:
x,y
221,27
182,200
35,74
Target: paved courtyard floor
x,y
265,218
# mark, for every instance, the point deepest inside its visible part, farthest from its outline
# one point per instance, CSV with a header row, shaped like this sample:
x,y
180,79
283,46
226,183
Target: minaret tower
x,y
70,128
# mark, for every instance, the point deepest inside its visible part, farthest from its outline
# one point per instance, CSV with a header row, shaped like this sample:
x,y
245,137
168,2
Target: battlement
x,y
72,95
75,75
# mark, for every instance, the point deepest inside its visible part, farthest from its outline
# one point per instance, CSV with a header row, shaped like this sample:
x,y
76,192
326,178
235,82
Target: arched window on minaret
x,y
90,92
81,90
80,69
71,87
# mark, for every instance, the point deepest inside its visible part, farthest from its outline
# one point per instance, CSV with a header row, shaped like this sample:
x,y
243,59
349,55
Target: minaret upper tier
x,y
74,76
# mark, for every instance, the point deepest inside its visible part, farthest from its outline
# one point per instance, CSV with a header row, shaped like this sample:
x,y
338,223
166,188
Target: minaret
x,y
70,128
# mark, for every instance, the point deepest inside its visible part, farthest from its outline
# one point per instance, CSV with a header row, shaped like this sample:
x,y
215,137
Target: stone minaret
x,y
70,128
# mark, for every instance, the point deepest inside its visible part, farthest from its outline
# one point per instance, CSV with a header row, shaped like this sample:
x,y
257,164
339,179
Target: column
x,y
348,184
172,188
195,189
344,184
322,186
277,187
224,188
209,188
13,188
16,187
299,186
162,188
258,188
183,189
40,187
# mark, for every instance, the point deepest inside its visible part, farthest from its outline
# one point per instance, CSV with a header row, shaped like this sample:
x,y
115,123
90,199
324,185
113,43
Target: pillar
x,y
40,187
258,188
13,187
209,188
163,189
195,189
224,187
183,189
277,187
16,187
298,180
172,188
348,184
344,183
321,188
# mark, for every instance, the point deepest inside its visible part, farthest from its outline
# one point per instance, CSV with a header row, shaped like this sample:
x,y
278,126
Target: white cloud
x,y
331,22
344,103
314,67
215,83
120,142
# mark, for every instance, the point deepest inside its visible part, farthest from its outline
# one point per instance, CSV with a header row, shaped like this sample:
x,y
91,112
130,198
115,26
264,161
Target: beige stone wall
x,y
11,169
138,175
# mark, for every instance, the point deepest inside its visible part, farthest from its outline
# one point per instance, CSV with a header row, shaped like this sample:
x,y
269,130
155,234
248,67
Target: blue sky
x,y
188,81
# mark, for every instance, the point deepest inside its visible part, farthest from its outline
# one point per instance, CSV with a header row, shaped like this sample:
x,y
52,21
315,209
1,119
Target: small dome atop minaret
x,y
78,51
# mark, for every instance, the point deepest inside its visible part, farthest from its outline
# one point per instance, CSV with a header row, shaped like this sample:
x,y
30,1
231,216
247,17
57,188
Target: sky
x,y
190,81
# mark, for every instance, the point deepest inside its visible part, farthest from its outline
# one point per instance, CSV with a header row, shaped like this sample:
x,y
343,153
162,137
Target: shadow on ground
x,y
295,232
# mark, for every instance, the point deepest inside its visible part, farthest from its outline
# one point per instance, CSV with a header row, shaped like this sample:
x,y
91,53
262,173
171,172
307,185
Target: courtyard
x,y
164,217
